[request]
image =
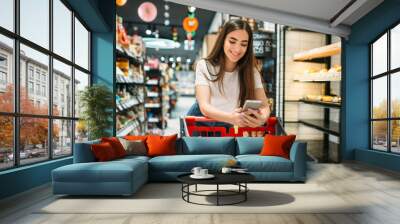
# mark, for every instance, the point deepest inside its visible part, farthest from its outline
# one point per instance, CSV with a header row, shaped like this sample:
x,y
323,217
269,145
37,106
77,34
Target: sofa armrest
x,y
83,152
298,157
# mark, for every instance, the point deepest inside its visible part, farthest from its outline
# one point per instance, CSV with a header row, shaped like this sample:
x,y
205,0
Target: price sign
x,y
263,44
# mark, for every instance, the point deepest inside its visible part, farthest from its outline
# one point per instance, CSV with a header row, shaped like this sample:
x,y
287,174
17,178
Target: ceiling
x,y
177,14
325,16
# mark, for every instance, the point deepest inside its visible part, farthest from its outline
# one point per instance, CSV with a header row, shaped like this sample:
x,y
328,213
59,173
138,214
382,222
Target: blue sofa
x,y
125,176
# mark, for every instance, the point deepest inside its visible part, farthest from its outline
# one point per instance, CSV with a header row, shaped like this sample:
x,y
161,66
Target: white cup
x,y
196,171
203,172
226,170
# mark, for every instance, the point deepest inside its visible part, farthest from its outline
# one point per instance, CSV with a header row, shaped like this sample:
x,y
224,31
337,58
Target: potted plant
x,y
96,102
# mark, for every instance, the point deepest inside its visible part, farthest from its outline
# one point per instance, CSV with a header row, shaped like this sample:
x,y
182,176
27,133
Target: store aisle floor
x,y
183,105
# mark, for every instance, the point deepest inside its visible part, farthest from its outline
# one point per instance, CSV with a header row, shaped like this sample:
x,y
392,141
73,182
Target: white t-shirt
x,y
229,99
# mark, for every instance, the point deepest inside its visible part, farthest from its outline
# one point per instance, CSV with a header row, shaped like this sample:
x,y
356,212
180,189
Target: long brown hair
x,y
245,64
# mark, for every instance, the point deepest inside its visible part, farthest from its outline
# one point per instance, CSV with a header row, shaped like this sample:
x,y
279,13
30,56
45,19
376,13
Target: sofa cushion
x,y
134,147
103,152
111,171
83,152
161,145
277,145
209,145
249,145
257,163
116,145
136,137
185,163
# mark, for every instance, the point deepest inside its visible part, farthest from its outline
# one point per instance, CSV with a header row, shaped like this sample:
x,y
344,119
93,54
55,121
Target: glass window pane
x,y
35,21
33,139
6,142
395,138
6,74
81,81
379,97
395,47
62,141
81,131
7,14
379,55
62,29
379,135
62,89
34,97
81,45
395,95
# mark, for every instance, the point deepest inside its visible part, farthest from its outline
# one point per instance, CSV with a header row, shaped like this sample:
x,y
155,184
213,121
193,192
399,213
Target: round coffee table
x,y
238,179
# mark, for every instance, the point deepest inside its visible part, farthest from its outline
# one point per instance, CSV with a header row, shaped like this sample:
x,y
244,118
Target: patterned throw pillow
x,y
134,147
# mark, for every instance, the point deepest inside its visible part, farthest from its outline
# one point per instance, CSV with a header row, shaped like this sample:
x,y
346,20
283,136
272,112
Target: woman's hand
x,y
254,118
237,118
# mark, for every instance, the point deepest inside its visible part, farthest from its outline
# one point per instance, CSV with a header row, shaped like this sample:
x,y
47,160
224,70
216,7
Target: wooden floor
x,y
377,189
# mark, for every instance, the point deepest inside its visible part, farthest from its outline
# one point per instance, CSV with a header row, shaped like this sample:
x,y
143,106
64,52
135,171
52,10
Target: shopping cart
x,y
201,126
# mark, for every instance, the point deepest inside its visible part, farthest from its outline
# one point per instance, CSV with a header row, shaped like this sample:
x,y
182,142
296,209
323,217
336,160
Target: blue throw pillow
x,y
208,145
249,145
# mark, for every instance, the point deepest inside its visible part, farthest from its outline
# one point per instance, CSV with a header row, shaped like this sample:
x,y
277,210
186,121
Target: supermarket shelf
x,y
330,128
125,53
321,52
153,94
152,105
321,103
127,80
153,120
319,77
128,128
128,104
152,82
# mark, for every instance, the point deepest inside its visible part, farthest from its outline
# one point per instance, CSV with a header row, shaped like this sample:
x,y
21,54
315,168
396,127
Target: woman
x,y
227,78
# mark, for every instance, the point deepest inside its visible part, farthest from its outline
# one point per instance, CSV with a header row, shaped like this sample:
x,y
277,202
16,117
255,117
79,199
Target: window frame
x,y
388,74
16,114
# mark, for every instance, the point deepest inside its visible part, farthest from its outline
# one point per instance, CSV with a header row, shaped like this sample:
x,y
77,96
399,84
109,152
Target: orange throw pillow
x,y
277,145
161,145
116,145
103,152
136,137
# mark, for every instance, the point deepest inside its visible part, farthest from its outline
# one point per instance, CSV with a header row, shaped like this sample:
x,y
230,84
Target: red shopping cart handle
x,y
198,119
193,127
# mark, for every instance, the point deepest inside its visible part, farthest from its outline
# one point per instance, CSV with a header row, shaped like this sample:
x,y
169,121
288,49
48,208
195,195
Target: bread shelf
x,y
321,52
319,77
322,103
330,127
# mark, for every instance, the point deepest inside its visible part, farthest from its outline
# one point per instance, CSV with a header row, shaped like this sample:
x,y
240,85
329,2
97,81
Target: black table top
x,y
220,178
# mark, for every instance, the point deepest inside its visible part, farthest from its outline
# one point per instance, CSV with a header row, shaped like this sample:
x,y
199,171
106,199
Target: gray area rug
x,y
166,198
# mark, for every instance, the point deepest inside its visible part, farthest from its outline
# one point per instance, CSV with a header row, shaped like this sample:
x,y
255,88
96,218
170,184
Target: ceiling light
x,y
166,14
188,60
192,9
148,31
166,22
171,59
162,58
160,43
178,59
166,7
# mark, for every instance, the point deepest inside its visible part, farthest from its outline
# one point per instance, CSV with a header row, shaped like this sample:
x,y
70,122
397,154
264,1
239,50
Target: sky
x,y
34,27
379,59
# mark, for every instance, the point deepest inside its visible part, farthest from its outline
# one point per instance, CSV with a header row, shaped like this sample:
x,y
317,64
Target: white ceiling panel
x,y
315,15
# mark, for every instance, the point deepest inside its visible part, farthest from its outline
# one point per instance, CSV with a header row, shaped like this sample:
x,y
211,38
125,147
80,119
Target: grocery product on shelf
x,y
130,76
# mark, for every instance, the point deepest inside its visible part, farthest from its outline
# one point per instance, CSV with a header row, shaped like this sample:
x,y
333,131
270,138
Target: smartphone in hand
x,y
252,104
